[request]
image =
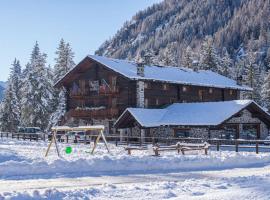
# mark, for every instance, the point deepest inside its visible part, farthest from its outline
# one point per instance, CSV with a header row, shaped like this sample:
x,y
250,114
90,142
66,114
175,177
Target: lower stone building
x,y
237,119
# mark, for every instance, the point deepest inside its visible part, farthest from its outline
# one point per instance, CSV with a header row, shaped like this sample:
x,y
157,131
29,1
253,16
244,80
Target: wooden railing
x,y
108,112
95,94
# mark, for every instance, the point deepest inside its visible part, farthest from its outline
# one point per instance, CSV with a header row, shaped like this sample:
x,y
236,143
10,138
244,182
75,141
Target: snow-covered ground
x,y
26,174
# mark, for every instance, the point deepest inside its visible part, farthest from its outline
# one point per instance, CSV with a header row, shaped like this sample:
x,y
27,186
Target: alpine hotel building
x,y
141,100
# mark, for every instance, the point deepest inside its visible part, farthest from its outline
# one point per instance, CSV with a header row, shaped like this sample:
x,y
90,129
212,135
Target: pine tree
x,y
267,59
168,57
59,113
252,77
37,91
64,62
266,92
10,108
188,58
226,65
208,56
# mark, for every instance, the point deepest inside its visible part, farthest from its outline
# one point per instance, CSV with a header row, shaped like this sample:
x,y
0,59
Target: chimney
x,y
140,67
239,80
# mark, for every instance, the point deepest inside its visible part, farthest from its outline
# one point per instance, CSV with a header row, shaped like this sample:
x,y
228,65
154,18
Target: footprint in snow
x,y
222,187
198,193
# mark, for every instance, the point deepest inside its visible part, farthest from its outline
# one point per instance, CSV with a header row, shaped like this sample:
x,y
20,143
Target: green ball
x,y
68,150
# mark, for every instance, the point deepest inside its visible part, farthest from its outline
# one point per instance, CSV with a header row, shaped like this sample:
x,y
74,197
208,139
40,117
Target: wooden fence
x,y
217,144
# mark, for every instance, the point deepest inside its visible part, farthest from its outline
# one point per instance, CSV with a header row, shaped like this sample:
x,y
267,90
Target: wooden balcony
x,y
94,114
93,94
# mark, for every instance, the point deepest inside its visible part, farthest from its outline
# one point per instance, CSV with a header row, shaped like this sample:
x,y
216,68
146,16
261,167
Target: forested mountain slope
x,y
173,25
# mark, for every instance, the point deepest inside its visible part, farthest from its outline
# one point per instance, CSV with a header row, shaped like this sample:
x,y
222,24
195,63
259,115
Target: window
x,y
146,102
82,86
210,90
184,88
250,131
200,94
146,85
113,83
231,92
157,102
229,132
114,102
182,133
165,87
75,89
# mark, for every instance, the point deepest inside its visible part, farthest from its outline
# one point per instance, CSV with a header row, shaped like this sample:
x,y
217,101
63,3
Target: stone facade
x,y
244,118
199,133
140,94
161,132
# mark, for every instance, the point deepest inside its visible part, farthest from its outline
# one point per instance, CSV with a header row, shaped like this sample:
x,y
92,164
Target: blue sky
x,y
86,24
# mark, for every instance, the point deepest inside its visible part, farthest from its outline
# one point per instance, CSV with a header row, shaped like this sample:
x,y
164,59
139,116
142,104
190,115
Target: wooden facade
x,y
95,91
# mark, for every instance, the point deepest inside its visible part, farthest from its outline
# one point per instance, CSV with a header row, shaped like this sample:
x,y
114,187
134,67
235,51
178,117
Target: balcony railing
x,y
94,113
100,92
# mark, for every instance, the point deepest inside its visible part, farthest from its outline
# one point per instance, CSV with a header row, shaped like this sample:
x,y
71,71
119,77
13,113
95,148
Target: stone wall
x,y
161,132
199,133
244,118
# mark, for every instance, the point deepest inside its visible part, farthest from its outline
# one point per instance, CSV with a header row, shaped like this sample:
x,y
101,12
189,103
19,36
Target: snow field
x,y
24,159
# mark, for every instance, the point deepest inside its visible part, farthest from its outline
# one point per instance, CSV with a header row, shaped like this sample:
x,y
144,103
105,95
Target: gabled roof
x,y
191,114
177,75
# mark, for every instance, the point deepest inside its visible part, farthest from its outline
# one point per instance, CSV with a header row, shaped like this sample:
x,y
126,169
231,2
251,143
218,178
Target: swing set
x,y
99,128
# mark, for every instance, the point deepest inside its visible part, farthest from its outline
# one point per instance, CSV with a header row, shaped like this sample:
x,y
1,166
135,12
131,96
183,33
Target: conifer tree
x,y
10,108
188,58
37,91
208,56
252,77
64,62
226,65
168,57
266,92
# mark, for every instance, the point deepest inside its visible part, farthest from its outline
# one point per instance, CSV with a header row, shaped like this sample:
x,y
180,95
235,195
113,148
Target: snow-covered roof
x,y
178,75
189,114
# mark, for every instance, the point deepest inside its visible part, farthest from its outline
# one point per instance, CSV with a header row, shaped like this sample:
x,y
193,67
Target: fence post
x,y
257,147
236,145
218,145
